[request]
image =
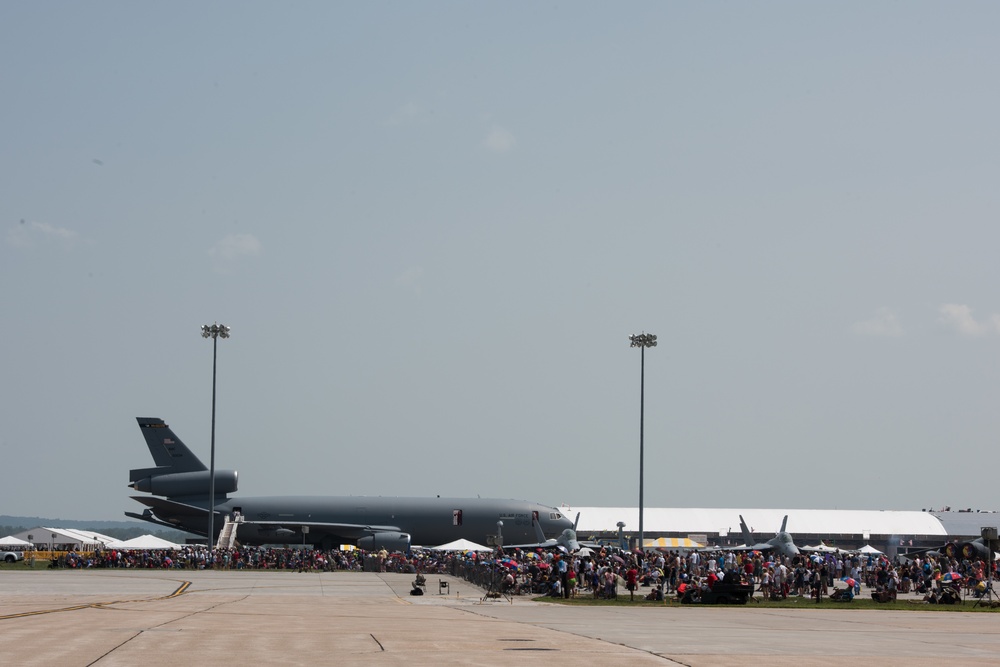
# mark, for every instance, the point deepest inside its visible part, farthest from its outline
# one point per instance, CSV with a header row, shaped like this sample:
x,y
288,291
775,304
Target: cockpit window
x,y
555,516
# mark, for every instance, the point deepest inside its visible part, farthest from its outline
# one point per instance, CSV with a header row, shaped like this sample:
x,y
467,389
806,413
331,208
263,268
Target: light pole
x,y
215,332
642,341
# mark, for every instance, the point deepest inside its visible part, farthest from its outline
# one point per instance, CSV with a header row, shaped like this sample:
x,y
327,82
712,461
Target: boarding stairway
x,y
227,536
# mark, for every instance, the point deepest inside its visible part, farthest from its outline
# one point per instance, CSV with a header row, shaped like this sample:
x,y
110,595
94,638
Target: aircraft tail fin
x,y
169,454
747,537
784,522
539,533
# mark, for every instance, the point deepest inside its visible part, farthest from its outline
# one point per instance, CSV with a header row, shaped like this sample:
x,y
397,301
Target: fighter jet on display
x,y
567,540
781,543
971,550
179,486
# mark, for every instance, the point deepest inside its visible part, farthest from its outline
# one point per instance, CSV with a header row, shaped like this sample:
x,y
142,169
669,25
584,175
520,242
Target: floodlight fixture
x,y
215,331
643,340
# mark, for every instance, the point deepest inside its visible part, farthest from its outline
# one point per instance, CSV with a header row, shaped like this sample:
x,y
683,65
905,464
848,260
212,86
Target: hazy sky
x,y
432,227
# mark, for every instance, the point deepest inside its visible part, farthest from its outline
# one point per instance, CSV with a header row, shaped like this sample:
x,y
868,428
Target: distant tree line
x,y
10,530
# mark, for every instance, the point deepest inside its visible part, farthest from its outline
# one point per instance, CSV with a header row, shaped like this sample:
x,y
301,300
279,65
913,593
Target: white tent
x,y
869,549
64,539
11,542
461,545
143,542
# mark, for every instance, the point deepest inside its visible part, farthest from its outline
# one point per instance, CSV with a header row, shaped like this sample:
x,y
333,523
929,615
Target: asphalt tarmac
x,y
152,618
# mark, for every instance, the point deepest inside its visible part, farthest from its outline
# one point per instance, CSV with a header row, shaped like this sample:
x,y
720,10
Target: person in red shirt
x,y
632,581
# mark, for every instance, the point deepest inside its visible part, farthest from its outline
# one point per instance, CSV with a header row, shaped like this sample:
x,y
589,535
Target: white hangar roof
x,y
696,521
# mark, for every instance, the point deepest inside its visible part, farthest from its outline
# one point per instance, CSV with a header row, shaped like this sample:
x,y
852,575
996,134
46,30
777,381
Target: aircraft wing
x,y
818,549
591,545
347,530
148,516
763,546
570,544
547,544
171,507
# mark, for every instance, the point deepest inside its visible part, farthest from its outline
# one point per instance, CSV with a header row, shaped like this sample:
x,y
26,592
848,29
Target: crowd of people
x,y
600,573
683,573
198,557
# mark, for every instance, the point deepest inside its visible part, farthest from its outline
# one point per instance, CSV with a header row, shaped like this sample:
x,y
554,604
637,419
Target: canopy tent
x,y
869,549
11,542
461,545
143,542
64,539
671,543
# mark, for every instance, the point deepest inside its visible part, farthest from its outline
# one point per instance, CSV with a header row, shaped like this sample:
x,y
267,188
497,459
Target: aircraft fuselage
x,y
428,521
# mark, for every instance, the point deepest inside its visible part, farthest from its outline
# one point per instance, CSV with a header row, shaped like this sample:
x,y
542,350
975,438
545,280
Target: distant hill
x,y
122,530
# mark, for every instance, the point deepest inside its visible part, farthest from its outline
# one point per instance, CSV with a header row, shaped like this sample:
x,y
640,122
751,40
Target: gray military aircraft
x,y
180,499
971,550
566,540
781,543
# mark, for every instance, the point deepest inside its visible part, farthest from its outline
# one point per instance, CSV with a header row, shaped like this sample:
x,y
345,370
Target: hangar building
x,y
847,529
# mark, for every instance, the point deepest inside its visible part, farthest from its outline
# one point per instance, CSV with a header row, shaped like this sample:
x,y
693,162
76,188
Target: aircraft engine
x,y
972,550
187,483
952,550
387,541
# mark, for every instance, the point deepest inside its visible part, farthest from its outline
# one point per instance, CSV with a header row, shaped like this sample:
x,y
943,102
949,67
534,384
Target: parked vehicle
x,y
720,593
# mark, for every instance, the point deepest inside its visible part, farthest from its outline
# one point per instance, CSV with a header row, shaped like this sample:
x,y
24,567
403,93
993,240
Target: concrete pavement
x,y
107,618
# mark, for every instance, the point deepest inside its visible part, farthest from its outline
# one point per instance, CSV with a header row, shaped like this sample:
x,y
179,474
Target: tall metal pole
x,y
642,421
211,465
642,341
214,332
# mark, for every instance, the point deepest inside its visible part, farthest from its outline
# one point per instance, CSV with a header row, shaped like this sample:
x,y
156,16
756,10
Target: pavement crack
x,y
164,623
115,648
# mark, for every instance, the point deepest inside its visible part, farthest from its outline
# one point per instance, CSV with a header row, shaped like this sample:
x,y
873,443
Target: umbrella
x,y
950,577
851,583
585,551
618,558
